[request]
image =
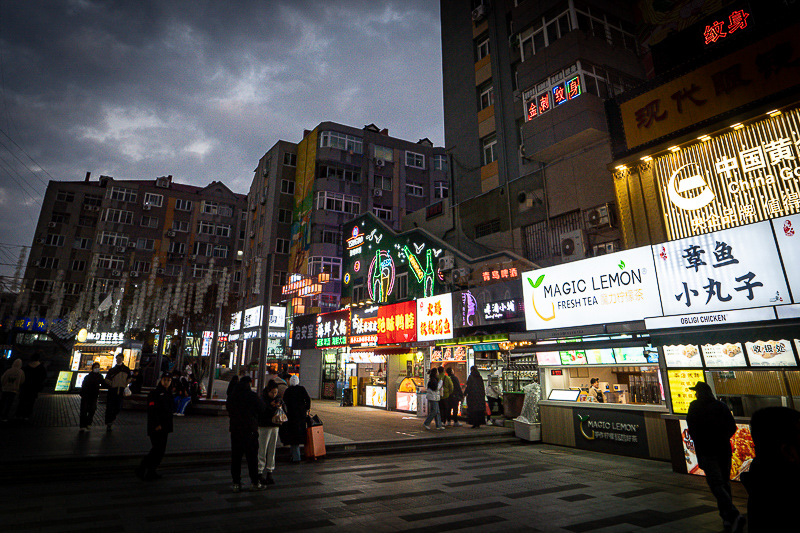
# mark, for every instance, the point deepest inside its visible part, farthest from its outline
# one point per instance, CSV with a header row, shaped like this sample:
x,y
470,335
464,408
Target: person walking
x,y
268,432
476,399
711,427
11,381
771,481
35,376
159,426
90,390
244,407
433,395
116,380
293,431
455,397
444,399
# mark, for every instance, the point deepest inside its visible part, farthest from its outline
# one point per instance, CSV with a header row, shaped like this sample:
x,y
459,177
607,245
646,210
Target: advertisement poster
x,y
616,287
741,445
609,431
738,268
600,356
489,304
277,317
770,353
724,355
435,318
574,357
376,396
64,380
679,383
397,323
548,358
634,355
683,356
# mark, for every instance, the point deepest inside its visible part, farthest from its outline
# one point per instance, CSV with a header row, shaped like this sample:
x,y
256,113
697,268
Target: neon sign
x,y
356,240
559,94
544,102
573,87
423,276
553,97
381,276
498,274
717,30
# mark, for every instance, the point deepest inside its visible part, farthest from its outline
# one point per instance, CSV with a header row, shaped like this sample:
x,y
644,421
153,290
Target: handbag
x,y
279,417
126,391
312,421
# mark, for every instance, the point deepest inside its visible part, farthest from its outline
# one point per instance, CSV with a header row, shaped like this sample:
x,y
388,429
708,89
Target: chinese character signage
x,y
252,317
679,383
332,329
612,288
770,353
397,323
364,326
722,27
236,321
435,318
787,233
610,431
304,332
277,317
489,304
732,269
553,97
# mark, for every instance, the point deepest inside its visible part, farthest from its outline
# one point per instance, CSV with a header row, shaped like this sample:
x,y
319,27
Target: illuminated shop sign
x,y
252,317
683,356
304,332
488,304
435,318
611,288
787,233
744,176
556,90
720,29
500,274
609,431
236,321
397,323
364,326
443,354
732,269
356,239
332,329
770,353
680,382
277,317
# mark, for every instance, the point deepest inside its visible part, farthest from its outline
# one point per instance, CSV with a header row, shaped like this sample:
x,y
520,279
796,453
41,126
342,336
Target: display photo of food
x,y
731,350
690,351
743,451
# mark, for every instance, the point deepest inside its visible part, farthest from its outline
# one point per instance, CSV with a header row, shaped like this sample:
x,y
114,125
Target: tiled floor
x,y
503,488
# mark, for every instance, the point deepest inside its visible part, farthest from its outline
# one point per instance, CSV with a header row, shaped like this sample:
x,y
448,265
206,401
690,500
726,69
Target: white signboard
x,y
612,288
236,321
683,356
738,268
252,317
711,319
724,355
787,233
770,353
277,317
435,318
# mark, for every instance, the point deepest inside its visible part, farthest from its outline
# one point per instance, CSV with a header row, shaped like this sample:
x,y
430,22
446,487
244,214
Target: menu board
x,y
64,381
574,357
679,383
548,358
376,396
770,353
600,356
631,355
683,356
724,355
741,444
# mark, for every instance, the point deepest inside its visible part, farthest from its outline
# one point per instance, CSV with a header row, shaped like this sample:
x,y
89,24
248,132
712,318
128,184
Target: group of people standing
x,y
445,394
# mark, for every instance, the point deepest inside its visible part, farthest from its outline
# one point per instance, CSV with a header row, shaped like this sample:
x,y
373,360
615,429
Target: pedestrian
x,y
711,427
456,397
117,380
444,398
595,394
12,380
298,404
771,481
159,426
181,396
244,407
268,432
90,390
493,396
35,376
433,395
232,386
137,380
285,375
476,399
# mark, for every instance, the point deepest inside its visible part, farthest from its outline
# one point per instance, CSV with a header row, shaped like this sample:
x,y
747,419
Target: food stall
x,y
100,348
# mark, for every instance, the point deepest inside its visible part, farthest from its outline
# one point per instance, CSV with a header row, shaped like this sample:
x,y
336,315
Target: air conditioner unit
x,y
605,248
134,274
39,241
446,262
573,245
146,207
170,233
116,273
480,13
377,193
599,217
51,224
460,273
120,249
34,263
95,208
160,271
87,207
131,244
380,163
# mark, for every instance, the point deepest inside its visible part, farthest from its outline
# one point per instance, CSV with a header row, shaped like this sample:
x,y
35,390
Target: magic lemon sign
x,y
612,288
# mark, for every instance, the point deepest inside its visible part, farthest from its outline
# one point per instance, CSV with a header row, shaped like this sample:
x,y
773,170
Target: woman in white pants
x,y
268,433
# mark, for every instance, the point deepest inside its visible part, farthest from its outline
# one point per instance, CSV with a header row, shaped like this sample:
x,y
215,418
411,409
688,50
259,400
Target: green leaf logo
x,y
621,265
538,281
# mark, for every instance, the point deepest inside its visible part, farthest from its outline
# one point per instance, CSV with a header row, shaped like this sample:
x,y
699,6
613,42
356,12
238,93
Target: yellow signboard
x,y
64,381
763,68
679,383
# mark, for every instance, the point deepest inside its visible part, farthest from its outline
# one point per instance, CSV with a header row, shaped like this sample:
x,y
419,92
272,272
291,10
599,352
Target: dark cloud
x,y
199,89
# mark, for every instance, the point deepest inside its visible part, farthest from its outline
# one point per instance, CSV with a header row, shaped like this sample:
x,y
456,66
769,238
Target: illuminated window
x,y
485,95
489,149
334,139
415,160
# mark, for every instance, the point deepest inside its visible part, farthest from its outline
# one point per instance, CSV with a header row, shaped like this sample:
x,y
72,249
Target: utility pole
x,y
213,358
262,360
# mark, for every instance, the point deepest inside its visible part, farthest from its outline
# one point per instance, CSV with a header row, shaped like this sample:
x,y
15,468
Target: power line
x,y
29,157
11,169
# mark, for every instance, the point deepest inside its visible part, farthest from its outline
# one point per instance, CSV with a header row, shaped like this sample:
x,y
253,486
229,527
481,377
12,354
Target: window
x,y
284,216
604,82
341,203
482,48
281,246
489,149
290,160
73,289
180,225
606,26
401,286
59,217
48,262
331,237
221,251
414,190
145,244
77,266
110,262
440,162
65,196
141,266
331,265
544,32
382,213
333,139
223,230
149,222
382,182
123,195
347,174
359,293
153,200
226,210
174,270
93,200
415,160
113,239
205,228
42,285
440,189
177,248
87,222
118,216
287,187
202,248
198,271
82,244
54,240
485,95
386,154
210,208
183,205
243,216
487,228
278,279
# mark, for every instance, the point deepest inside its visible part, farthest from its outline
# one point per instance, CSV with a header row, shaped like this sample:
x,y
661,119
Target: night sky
x,y
198,89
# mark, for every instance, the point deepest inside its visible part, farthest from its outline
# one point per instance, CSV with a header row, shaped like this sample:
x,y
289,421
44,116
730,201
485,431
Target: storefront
x,y
101,348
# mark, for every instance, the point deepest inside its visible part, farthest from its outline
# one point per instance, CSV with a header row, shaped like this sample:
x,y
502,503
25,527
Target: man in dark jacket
x,y
711,427
35,376
455,397
90,390
116,381
771,482
243,407
159,426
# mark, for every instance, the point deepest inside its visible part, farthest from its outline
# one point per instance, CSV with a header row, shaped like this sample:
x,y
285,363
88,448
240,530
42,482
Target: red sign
x,y
556,372
397,323
544,102
504,273
720,29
